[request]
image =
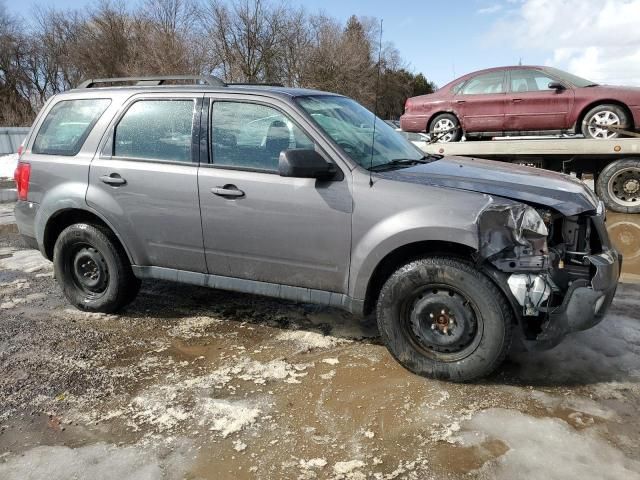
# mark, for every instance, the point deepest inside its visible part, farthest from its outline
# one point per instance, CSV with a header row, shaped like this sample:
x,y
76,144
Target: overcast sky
x,y
597,39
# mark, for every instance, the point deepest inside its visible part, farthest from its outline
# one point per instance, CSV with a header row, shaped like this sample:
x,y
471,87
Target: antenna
x,y
375,108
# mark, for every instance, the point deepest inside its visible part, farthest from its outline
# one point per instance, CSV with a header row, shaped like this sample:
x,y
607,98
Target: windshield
x,y
573,79
350,125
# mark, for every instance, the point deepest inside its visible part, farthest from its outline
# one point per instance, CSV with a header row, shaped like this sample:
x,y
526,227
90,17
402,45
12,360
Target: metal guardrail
x,y
11,138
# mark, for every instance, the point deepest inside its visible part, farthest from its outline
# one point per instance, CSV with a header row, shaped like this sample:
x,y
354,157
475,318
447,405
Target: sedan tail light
x,y
21,176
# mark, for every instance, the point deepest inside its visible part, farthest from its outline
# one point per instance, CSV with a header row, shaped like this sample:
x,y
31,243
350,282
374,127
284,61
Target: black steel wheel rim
x,y
442,322
88,270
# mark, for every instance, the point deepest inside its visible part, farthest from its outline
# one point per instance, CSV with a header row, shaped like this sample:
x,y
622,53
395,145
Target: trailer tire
x,y
618,185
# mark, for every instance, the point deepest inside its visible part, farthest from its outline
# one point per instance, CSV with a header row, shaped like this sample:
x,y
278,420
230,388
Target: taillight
x,y
21,176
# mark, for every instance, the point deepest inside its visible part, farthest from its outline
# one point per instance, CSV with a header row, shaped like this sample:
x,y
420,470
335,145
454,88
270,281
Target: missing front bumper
x,y
584,304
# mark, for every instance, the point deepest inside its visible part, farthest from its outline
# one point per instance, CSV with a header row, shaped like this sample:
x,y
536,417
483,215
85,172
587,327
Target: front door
x,y
480,103
258,225
532,106
145,182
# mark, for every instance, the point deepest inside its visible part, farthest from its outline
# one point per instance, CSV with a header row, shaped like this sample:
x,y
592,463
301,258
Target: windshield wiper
x,y
399,163
591,85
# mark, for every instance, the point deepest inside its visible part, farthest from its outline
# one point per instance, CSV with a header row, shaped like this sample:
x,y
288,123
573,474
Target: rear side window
x,y
68,125
156,130
251,136
485,83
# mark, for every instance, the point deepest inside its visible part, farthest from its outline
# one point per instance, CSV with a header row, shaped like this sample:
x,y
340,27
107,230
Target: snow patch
x,y
568,454
260,373
226,417
331,361
98,461
8,164
346,468
193,327
28,261
239,445
313,463
307,341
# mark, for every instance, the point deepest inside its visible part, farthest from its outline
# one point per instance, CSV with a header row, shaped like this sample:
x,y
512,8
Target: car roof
x,y
269,90
492,69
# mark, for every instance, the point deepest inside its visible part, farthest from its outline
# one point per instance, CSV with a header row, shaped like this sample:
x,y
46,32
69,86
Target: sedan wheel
x,y
445,128
598,120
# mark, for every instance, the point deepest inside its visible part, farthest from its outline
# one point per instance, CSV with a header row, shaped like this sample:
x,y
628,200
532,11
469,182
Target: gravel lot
x,y
196,383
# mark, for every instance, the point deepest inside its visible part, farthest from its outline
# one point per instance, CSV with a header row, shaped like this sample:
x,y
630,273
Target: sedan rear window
x,y
68,125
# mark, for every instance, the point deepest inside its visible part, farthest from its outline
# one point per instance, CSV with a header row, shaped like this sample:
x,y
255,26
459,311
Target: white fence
x,y
11,138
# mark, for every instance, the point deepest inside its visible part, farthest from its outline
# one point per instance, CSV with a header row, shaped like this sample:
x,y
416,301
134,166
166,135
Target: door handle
x,y
516,100
113,179
230,191
460,102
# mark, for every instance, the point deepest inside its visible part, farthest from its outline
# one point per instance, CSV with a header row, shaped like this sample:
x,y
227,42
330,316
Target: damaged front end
x,y
559,272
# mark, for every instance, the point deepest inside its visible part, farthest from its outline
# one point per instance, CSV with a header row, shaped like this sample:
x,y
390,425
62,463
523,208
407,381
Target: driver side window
x,y
251,136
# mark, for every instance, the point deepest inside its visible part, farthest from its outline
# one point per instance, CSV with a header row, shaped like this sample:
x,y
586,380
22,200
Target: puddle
x,y
624,231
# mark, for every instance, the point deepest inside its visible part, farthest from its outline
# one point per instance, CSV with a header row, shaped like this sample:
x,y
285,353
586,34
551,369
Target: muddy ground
x,y
202,384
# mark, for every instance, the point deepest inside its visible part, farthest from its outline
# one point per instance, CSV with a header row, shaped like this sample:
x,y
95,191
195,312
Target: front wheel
x,y
598,119
618,186
442,318
93,271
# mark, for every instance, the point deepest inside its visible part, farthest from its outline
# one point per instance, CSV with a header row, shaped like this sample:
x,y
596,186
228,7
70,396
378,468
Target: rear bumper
x,y
414,123
584,304
25,213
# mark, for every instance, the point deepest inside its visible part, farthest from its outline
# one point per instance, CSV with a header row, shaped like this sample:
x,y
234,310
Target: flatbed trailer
x,y
614,164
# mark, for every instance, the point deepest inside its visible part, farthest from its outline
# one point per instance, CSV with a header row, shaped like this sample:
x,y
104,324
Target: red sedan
x,y
523,101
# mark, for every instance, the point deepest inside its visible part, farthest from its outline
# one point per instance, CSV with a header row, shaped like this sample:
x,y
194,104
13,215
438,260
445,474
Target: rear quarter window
x,y
67,126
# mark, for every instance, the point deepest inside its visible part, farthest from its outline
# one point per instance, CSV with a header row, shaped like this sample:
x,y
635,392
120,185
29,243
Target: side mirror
x,y
305,163
556,86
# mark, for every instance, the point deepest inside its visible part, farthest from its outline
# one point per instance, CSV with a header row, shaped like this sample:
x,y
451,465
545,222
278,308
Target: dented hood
x,y
563,193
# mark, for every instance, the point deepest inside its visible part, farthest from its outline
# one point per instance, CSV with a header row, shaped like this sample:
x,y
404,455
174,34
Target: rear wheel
x,y
93,271
597,120
618,186
442,318
445,128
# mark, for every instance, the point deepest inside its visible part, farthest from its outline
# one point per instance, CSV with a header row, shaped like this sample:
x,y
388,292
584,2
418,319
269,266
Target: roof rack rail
x,y
263,84
156,80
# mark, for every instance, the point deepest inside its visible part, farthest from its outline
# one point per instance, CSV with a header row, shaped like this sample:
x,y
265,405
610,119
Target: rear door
x,y
258,225
532,106
480,102
145,180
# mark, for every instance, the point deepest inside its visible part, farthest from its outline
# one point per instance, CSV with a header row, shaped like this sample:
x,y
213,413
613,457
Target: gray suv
x,y
303,195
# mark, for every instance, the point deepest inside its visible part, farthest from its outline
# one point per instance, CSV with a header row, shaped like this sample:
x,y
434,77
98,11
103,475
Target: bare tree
x,y
239,40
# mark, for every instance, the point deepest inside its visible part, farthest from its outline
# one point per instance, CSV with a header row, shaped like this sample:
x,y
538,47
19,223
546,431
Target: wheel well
x,y
403,255
583,113
61,220
433,117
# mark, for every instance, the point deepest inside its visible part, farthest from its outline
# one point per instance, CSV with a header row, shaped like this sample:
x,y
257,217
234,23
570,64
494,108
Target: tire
x,y
607,114
442,122
618,186
93,271
417,301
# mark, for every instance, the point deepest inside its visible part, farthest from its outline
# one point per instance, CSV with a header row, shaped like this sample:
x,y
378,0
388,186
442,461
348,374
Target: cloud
x,y
496,7
597,39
